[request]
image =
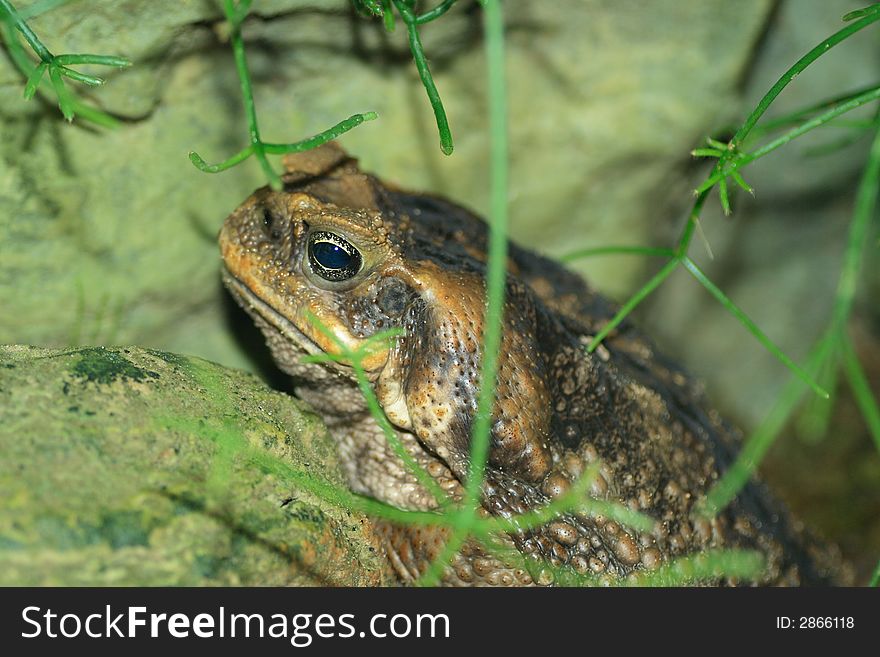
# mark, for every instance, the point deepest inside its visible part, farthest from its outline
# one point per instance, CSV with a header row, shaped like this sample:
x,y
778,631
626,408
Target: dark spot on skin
x,y
570,435
392,298
102,366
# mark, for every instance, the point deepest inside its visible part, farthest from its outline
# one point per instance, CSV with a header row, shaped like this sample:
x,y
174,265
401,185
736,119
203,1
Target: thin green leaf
x,y
90,80
813,421
496,269
436,12
432,575
812,124
418,53
270,173
94,115
387,15
633,301
40,7
34,79
710,565
703,239
739,180
355,360
722,195
65,101
85,58
866,202
201,165
329,134
870,15
69,104
859,13
798,116
858,382
734,310
616,250
733,480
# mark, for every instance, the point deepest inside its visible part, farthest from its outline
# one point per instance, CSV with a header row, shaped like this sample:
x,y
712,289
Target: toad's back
x,y
362,257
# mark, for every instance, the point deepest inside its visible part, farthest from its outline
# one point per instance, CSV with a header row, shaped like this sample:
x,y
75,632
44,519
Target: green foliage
x,y
834,350
412,20
235,15
56,66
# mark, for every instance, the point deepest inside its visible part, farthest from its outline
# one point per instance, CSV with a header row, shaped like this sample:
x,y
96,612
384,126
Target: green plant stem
x,y
32,40
824,353
355,360
861,388
737,475
797,68
436,12
279,149
693,221
327,135
55,65
815,418
40,7
875,578
796,117
746,158
724,168
415,45
235,15
391,436
866,202
632,302
235,18
709,565
496,268
432,575
744,319
617,250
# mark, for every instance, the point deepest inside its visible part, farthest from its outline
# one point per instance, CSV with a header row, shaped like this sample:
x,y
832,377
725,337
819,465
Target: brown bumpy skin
x,y
558,410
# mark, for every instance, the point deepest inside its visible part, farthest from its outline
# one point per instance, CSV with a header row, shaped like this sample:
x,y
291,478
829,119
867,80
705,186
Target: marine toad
x,y
362,257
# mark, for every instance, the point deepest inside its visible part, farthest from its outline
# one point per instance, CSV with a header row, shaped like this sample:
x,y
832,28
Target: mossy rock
x,y
138,467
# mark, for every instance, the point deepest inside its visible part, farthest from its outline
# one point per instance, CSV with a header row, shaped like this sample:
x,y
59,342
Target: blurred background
x,y
108,236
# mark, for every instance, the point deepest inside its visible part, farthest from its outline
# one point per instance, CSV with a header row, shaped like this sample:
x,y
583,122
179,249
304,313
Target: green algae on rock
x,y
117,470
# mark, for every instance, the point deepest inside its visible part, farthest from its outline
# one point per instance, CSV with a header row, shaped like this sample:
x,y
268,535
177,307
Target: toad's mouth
x,y
256,306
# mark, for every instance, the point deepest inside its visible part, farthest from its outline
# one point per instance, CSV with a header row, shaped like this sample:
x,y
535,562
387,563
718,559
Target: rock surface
x,y
139,467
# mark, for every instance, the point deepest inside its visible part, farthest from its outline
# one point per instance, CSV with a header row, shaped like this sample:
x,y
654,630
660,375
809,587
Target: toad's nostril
x,y
270,225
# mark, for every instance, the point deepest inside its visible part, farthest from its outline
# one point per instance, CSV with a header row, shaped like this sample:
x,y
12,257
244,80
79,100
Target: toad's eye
x,y
332,257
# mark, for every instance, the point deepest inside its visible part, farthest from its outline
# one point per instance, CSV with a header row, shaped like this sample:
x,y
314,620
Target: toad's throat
x,y
257,306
